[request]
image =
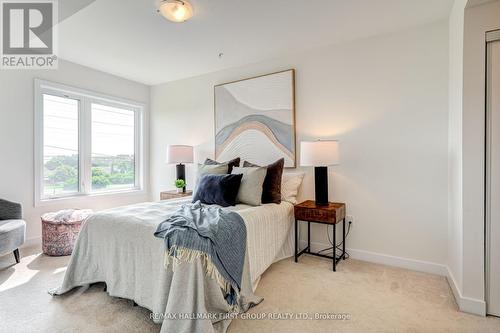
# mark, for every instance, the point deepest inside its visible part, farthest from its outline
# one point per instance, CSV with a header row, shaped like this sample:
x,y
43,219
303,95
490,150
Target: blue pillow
x,y
218,189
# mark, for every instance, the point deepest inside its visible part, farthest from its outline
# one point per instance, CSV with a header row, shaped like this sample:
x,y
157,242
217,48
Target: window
x,y
113,147
60,146
86,143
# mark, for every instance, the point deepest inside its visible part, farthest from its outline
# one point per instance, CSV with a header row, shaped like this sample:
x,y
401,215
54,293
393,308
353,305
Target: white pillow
x,y
250,191
290,184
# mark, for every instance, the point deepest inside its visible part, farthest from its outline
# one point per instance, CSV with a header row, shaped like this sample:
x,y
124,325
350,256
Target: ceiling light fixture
x,y
176,10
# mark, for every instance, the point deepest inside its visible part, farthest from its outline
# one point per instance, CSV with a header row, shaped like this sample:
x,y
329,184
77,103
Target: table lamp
x,y
179,154
320,154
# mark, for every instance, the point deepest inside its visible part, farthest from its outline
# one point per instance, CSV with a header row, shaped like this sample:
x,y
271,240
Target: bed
x,y
117,246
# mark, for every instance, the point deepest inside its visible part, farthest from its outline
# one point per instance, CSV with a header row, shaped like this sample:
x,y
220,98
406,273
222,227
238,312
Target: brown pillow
x,y
230,164
272,183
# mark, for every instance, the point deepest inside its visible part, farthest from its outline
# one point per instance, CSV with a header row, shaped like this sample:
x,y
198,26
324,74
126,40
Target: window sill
x,y
83,197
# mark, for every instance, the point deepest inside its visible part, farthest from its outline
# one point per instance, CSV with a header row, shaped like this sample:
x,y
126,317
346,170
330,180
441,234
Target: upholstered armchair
x,y
12,228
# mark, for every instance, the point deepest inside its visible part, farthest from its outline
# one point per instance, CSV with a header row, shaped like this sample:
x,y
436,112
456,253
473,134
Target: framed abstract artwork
x,y
255,119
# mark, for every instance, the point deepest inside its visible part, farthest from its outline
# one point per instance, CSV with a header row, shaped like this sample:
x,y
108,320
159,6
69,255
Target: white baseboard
x,y
412,264
465,304
384,259
32,242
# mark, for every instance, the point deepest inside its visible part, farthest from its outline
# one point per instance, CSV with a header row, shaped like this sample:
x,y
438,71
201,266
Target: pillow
x,y
290,185
271,192
250,192
214,169
230,164
203,169
218,189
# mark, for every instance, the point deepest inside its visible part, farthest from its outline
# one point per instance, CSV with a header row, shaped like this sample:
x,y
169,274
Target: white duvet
x,y
117,246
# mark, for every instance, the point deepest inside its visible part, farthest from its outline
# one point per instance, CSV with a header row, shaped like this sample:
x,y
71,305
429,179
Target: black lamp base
x,y
321,185
181,173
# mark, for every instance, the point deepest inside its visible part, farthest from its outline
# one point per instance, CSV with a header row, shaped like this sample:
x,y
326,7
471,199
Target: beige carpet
x,y
378,299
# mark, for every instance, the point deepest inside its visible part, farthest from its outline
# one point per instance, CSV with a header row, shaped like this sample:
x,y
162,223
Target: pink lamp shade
x,y
178,154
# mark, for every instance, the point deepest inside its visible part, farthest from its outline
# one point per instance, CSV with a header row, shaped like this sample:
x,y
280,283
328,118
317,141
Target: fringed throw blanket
x,y
216,236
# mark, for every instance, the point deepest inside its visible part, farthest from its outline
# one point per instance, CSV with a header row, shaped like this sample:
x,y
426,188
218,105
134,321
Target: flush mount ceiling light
x,y
176,10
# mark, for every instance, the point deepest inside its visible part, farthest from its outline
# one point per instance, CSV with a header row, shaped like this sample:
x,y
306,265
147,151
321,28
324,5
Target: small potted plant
x,y
181,185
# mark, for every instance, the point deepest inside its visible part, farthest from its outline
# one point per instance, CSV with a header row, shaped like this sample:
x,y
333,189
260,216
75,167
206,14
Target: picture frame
x,y
255,119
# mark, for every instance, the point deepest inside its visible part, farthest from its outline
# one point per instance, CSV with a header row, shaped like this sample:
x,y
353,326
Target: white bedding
x,y
269,235
117,246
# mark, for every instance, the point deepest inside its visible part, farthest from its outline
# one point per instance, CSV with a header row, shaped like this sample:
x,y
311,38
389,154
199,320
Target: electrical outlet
x,y
349,219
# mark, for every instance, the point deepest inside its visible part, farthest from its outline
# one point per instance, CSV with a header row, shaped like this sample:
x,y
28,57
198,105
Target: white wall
x,y
16,128
455,244
385,98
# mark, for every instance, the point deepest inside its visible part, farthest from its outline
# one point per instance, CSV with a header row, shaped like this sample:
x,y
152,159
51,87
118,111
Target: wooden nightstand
x,y
332,214
165,195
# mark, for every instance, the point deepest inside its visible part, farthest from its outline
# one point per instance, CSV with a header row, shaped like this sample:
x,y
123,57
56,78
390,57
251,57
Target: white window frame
x,y
85,98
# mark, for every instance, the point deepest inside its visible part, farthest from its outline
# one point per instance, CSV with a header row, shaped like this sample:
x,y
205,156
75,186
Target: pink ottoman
x,y
60,231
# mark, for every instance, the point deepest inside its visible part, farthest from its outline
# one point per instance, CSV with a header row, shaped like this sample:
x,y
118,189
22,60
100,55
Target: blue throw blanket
x,y
215,235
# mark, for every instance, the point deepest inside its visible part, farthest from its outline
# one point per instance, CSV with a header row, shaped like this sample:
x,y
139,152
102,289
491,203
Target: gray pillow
x,y
250,191
230,164
213,169
206,169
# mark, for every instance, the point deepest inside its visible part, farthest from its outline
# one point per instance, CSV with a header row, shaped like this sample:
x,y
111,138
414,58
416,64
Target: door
x,y
493,175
